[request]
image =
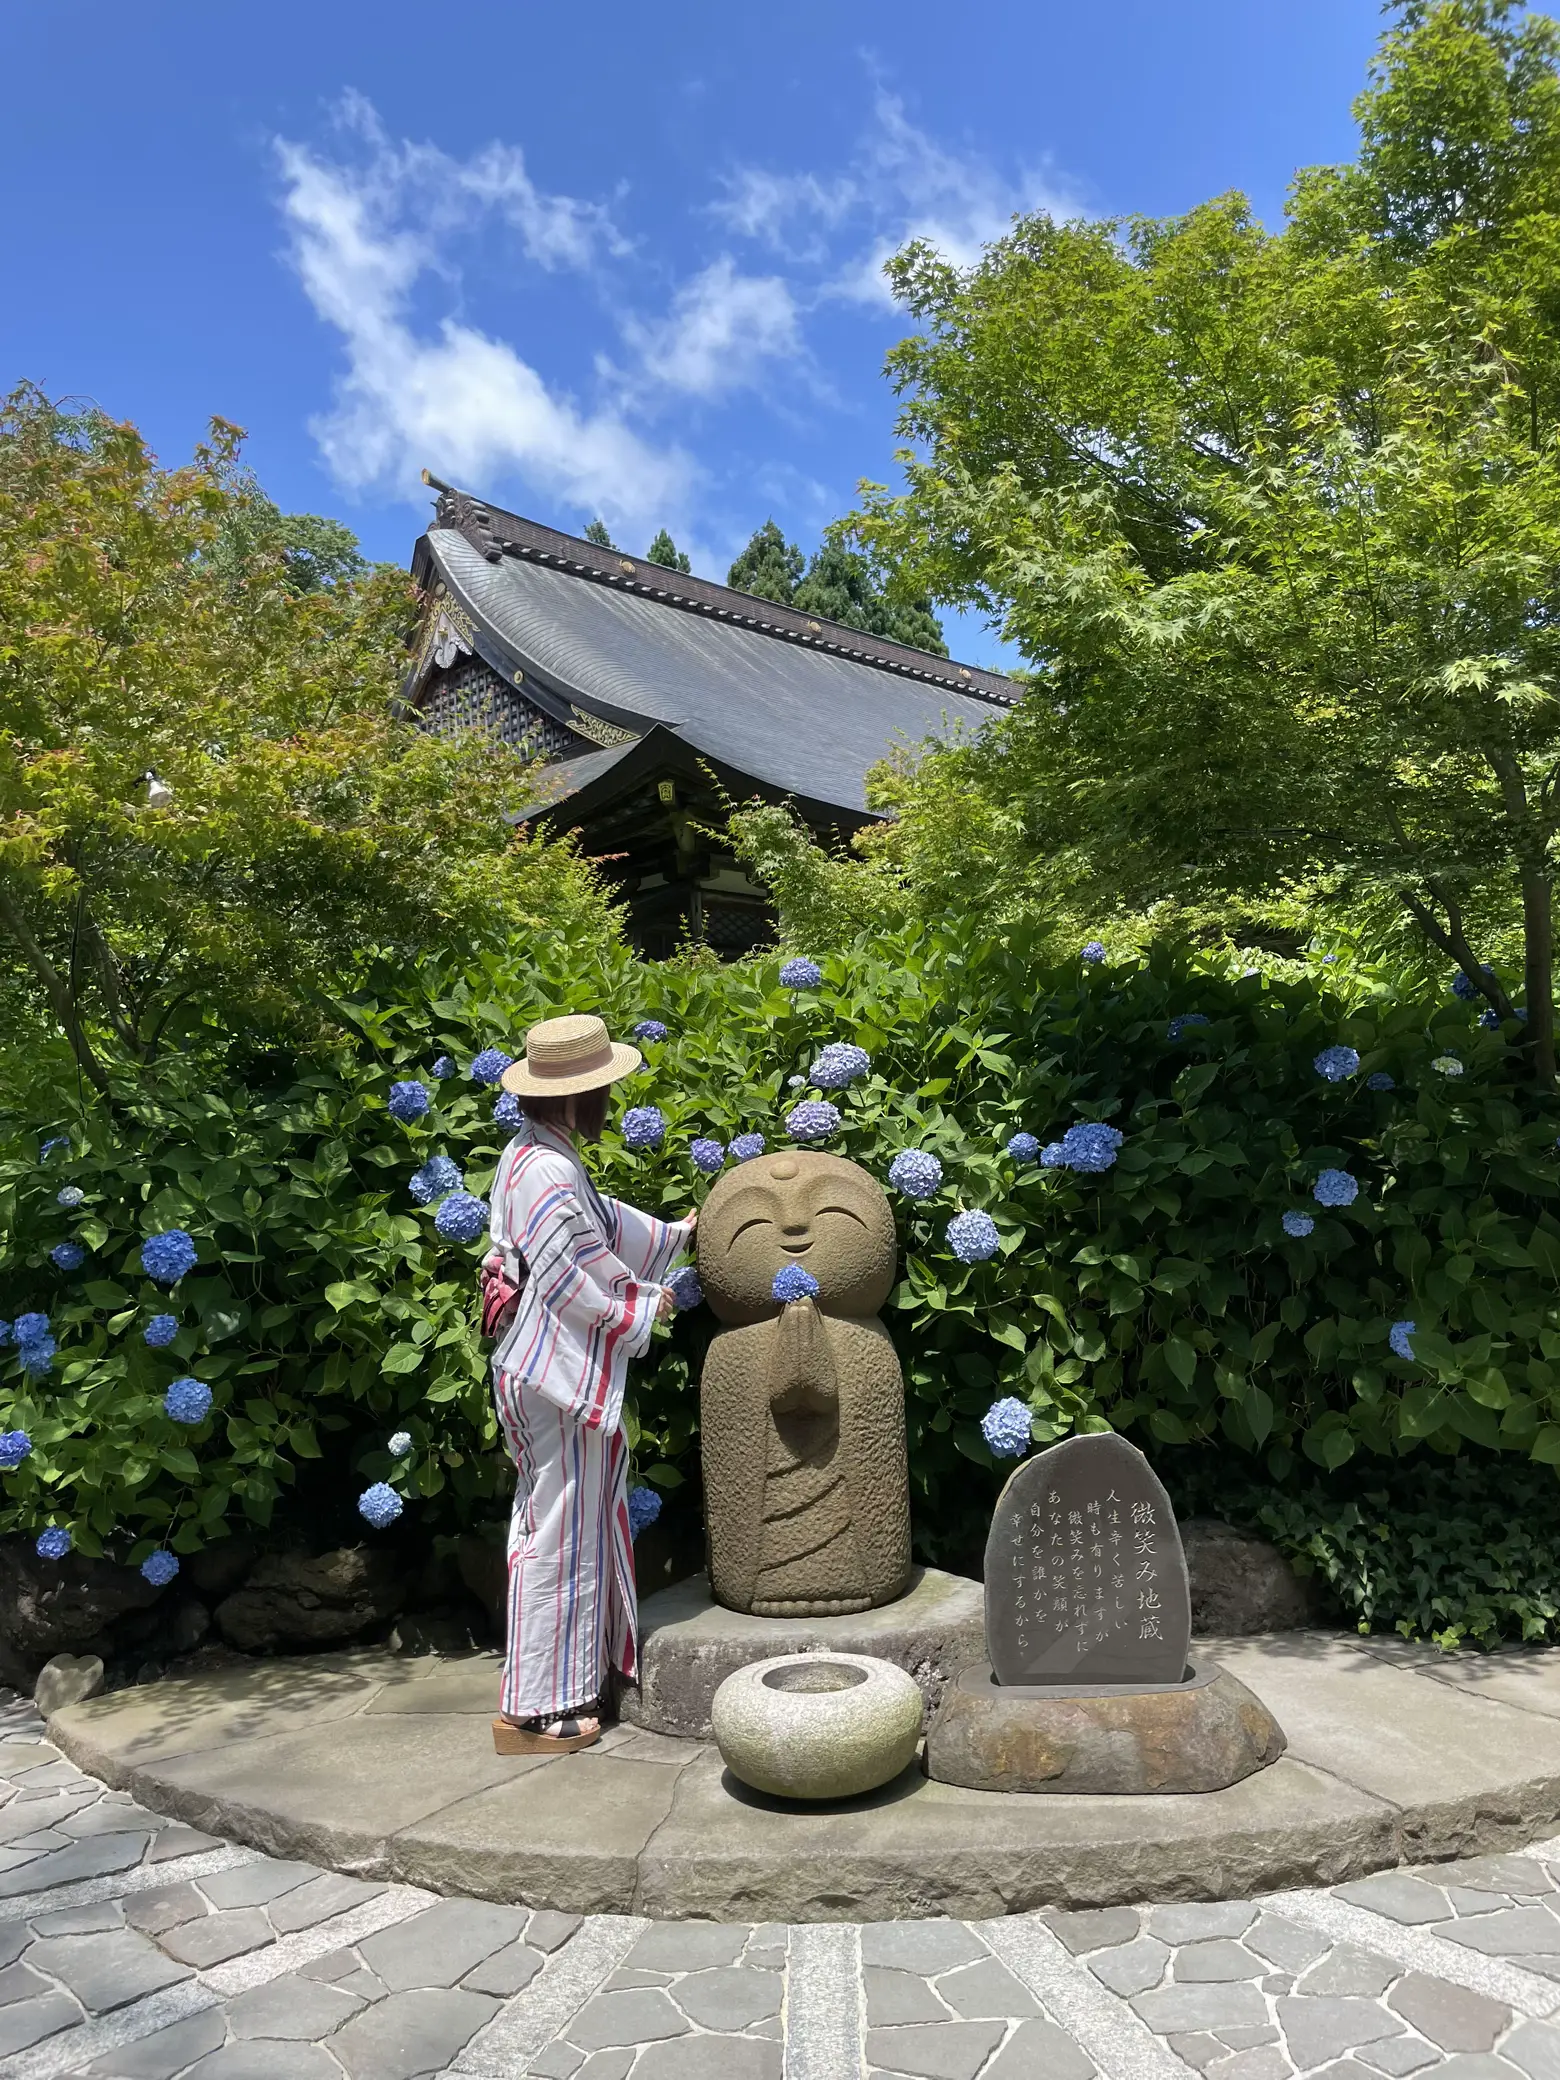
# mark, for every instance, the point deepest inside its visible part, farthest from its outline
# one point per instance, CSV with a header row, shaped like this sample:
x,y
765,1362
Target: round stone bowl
x,y
817,1726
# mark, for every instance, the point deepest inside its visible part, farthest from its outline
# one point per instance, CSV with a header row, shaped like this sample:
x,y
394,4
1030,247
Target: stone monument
x,y
802,1403
1087,1686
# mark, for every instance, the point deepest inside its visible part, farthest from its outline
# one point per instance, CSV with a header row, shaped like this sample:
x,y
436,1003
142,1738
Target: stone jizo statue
x,y
802,1404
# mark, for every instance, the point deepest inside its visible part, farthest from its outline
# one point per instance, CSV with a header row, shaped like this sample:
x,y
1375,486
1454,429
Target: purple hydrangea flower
x,y
1399,1337
165,1258
5,1334
53,1544
1091,1146
1379,1080
408,1101
1465,987
506,1111
160,1331
1178,1026
644,1126
1298,1224
838,1065
1092,951
793,1283
1053,1156
916,1172
431,1180
746,1147
801,974
644,1506
462,1217
159,1568
1006,1428
707,1155
489,1065
14,1447
685,1289
380,1505
70,1197
1335,1063
1023,1148
815,1119
187,1400
37,1355
31,1328
973,1237
68,1256
649,1029
1335,1188
443,1067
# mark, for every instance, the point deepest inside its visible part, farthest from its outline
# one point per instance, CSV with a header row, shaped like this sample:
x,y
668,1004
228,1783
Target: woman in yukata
x,y
592,1270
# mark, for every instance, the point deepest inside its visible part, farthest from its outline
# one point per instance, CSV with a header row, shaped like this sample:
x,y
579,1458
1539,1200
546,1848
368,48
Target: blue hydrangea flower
x,y
14,1447
443,1067
1092,951
47,1148
973,1237
1335,1188
644,1506
165,1258
1053,1156
31,1328
431,1180
649,1029
1465,987
1399,1337
796,1083
644,1126
187,1400
707,1155
815,1119
1335,1063
1379,1080
685,1288
506,1111
839,1065
746,1147
53,1544
1448,1064
5,1334
70,1197
1178,1026
801,974
916,1172
1006,1428
400,1445
159,1568
1091,1146
1490,1020
160,1331
791,1282
69,1256
462,1217
38,1355
1023,1148
489,1065
380,1505
1298,1224
408,1101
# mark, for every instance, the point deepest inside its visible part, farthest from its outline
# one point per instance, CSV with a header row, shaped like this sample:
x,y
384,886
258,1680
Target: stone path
x,y
135,1948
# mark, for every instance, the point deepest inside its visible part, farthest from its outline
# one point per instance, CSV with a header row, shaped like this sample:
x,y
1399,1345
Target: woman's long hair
x,y
590,1111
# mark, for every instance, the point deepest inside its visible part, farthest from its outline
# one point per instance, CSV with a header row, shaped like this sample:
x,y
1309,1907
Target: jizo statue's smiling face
x,y
796,1207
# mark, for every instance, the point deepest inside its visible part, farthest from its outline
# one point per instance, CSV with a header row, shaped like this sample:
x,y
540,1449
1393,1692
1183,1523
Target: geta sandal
x,y
529,1739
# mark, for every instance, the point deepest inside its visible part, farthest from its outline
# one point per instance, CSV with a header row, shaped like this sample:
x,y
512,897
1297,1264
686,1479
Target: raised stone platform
x,y
688,1645
386,1769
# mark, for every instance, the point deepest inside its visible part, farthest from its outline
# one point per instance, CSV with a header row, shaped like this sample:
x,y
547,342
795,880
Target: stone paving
x,y
135,1948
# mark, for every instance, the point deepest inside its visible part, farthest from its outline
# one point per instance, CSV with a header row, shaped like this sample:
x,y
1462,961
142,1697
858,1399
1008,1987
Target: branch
x,y
1453,941
108,981
60,1000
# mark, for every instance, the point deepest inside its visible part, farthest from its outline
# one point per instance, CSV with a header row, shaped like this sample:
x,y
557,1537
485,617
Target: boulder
x,y
304,1600
1240,1583
67,1679
53,1606
218,1569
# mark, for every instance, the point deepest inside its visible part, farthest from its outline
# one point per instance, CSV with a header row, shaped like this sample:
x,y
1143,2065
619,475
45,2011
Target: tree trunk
x,y
1538,935
61,1003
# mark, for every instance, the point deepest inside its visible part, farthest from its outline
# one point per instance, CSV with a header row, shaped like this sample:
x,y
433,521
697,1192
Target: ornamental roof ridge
x,y
497,534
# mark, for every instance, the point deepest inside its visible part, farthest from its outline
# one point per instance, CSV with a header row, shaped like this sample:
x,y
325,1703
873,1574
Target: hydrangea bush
x,y
1155,1286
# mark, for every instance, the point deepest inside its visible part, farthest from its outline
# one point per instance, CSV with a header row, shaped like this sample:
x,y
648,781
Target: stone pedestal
x,y
688,1645
1202,1734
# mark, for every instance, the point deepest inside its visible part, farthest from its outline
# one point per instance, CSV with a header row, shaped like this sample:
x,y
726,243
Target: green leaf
x,y
402,1357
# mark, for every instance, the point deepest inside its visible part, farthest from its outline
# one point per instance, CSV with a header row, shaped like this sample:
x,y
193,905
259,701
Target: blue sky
x,y
588,259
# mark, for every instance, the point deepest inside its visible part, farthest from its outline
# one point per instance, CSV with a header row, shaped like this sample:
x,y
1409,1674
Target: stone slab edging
x,y
384,1768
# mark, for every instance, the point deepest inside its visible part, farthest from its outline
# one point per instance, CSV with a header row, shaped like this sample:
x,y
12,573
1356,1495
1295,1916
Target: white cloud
x,y
721,330
363,236
772,207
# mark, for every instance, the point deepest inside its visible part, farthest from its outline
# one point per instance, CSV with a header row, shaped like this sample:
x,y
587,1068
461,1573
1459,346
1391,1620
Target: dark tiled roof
x,y
803,706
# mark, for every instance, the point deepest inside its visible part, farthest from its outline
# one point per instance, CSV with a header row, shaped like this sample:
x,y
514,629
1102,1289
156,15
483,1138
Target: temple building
x,y
658,700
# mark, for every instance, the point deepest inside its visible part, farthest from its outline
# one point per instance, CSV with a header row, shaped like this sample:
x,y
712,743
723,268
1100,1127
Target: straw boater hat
x,y
564,1055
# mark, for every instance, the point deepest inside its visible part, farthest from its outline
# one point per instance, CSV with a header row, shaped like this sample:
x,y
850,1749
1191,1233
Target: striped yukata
x,y
588,1305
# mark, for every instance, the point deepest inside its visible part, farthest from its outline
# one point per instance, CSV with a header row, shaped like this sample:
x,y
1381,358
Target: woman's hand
x,y
691,1220
666,1306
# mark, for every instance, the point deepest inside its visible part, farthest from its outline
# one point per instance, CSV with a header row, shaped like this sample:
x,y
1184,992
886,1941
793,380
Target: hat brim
x,y
522,1083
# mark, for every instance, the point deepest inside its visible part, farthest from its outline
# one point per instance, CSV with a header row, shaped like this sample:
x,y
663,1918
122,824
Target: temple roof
x,y
615,647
